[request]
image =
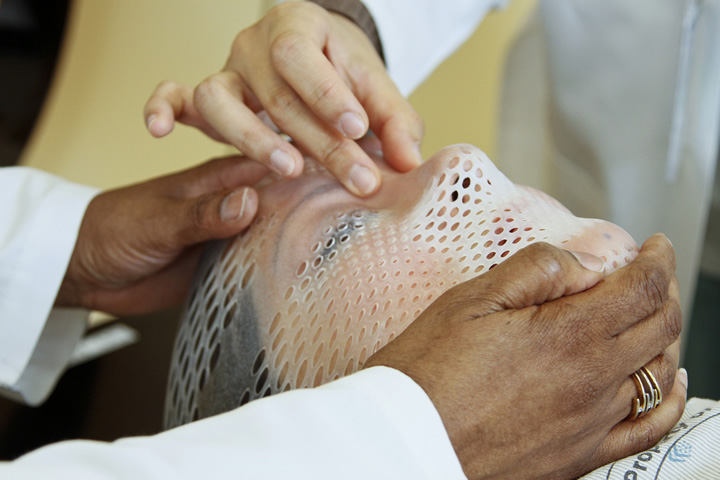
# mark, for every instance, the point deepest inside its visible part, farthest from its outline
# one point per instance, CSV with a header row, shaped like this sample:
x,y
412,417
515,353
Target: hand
x,y
321,82
529,365
137,246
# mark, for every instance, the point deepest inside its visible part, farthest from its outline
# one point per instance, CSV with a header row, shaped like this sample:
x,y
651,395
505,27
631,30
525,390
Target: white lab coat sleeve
x,y
376,424
417,35
39,221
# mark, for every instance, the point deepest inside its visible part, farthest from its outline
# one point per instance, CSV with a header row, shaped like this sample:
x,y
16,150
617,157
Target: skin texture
x,y
320,81
576,424
538,340
557,350
138,246
550,351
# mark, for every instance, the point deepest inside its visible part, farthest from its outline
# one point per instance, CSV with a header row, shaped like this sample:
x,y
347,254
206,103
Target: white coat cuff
x,y
41,228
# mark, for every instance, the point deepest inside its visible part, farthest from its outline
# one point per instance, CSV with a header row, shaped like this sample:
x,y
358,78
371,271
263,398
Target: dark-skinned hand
x,y
529,364
138,246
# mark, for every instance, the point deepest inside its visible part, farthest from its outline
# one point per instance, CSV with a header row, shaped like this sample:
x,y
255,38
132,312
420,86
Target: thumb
x,y
536,274
219,214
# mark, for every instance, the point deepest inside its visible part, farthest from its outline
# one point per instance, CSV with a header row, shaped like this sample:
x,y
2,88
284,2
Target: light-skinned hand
x,y
321,82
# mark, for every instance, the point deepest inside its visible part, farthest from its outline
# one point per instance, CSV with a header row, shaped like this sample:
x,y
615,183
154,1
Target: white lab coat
x,y
374,424
611,106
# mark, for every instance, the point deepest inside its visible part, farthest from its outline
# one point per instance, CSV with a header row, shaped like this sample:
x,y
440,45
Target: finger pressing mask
x,y
322,279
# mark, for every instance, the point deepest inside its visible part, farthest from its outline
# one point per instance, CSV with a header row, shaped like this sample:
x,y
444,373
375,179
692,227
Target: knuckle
x,y
280,101
284,47
645,434
548,260
199,219
665,374
653,286
205,91
335,152
242,39
323,93
672,319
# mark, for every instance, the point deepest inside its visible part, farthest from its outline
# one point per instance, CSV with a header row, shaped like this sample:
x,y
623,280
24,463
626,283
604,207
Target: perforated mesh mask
x,y
323,279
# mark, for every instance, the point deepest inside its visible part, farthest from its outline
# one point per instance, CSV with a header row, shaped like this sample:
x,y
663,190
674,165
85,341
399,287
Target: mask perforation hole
x,y
301,269
350,367
278,339
259,360
318,377
301,374
282,375
280,356
261,381
211,319
298,334
248,275
348,345
299,352
199,359
214,357
293,306
363,356
318,354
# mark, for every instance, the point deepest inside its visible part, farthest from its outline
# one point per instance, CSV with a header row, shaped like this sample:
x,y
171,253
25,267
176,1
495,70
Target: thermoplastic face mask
x,y
322,279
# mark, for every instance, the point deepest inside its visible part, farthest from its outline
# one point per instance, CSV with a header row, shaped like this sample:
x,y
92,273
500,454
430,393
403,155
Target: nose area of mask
x,y
467,196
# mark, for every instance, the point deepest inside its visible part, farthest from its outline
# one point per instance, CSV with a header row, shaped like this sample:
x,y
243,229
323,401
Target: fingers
x,y
210,201
321,88
663,368
214,215
536,274
660,328
394,121
171,102
638,290
343,157
630,437
218,174
220,100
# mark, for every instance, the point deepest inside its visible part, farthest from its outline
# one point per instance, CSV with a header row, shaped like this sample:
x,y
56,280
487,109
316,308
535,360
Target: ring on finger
x,y
649,393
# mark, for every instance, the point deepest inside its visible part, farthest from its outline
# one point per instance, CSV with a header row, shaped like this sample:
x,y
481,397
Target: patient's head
x,y
322,279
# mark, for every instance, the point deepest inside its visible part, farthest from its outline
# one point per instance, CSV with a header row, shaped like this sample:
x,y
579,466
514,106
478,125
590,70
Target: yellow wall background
x,y
460,101
91,129
115,53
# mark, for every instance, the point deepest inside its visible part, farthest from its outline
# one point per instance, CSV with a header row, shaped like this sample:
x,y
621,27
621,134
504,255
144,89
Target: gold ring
x,y
649,393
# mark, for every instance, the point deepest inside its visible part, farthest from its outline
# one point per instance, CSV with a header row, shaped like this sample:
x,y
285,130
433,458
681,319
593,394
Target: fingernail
x,y
682,376
282,163
589,261
149,120
352,125
233,205
362,180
